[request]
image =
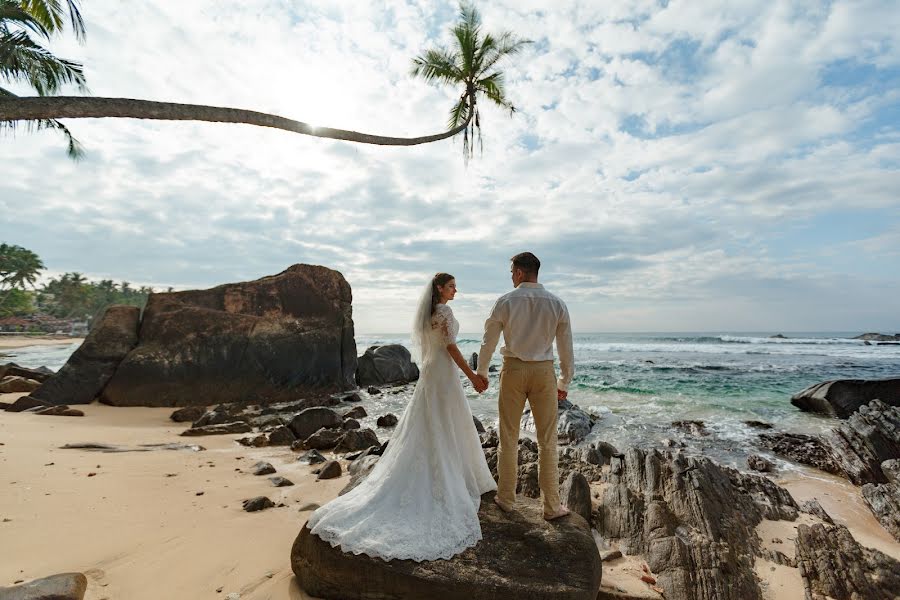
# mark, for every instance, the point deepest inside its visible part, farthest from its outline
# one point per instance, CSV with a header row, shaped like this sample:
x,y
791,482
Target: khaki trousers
x,y
535,382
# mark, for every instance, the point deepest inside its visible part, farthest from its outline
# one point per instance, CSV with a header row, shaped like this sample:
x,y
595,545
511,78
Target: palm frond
x,y
51,14
438,65
74,149
507,44
11,12
459,112
21,58
493,87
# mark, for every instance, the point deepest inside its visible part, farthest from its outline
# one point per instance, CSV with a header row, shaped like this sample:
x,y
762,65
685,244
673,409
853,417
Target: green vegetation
x,y
70,296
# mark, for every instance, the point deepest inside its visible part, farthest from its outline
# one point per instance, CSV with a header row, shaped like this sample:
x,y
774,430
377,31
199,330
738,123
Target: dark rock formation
x,y
372,390
834,565
572,425
219,415
257,504
692,519
188,414
478,425
255,441
357,412
694,428
575,493
868,438
388,420
843,397
26,402
262,468
65,586
225,428
758,424
281,436
521,556
354,397
878,337
279,481
309,421
356,439
271,340
812,507
884,501
330,470
386,364
804,449
95,362
311,457
323,439
758,463
349,424
41,374
60,410
13,384
473,361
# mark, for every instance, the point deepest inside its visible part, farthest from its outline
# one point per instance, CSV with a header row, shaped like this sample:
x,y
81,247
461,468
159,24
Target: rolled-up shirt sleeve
x,y
493,327
566,351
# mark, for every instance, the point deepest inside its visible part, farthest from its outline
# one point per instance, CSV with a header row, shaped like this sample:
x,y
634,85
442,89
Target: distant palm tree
x,y
25,60
470,64
19,267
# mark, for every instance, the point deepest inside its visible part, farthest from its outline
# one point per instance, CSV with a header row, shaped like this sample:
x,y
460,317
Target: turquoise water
x,y
639,383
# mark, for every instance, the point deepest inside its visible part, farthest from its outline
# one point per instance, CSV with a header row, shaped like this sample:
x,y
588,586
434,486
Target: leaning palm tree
x,y
24,60
472,64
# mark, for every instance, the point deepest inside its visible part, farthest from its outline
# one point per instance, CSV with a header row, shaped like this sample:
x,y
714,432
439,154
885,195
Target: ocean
x,y
638,383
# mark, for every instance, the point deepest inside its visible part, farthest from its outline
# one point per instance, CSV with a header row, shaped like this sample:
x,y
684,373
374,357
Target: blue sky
x,y
677,166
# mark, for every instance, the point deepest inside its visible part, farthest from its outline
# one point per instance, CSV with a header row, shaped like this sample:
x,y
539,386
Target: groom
x,y
529,317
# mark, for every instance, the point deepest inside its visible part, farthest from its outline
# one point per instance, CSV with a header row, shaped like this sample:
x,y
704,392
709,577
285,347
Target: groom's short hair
x,y
526,261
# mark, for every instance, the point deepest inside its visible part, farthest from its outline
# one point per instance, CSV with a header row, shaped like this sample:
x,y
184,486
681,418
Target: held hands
x,y
561,395
479,382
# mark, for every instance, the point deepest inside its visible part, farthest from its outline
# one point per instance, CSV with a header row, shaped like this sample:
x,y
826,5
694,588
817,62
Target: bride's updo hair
x,y
438,279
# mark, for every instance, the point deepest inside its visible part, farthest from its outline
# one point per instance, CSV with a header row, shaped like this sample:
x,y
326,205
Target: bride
x,y
421,500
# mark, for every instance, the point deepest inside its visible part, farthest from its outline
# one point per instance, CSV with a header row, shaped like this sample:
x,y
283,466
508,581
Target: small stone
x,y
263,468
92,474
352,398
349,424
357,412
372,390
648,579
199,494
281,481
309,506
257,504
610,555
311,457
330,470
388,420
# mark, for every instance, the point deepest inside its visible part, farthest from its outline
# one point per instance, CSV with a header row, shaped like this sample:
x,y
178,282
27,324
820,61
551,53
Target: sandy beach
x,y
137,528
8,342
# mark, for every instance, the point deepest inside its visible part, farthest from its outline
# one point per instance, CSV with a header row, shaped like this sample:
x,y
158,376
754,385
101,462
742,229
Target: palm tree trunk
x,y
80,107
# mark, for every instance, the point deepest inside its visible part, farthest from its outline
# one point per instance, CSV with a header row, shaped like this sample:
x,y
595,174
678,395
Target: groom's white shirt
x,y
529,317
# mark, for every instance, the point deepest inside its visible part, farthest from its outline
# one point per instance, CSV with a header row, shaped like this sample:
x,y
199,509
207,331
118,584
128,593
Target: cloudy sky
x,y
677,166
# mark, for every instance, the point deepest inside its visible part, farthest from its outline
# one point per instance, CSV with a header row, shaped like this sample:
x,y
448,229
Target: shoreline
x,y
15,342
140,515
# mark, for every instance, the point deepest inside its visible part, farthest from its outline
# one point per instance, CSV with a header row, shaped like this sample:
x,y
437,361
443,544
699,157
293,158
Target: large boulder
x,y
308,421
863,442
843,397
520,556
834,565
386,364
65,586
268,340
693,520
94,363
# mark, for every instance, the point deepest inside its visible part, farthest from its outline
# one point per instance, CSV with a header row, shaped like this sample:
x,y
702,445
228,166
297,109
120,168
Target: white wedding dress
x,y
421,500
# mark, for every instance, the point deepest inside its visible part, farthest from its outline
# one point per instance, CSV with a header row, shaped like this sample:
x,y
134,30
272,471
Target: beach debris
x,y
330,470
257,504
279,481
92,446
64,586
226,428
262,468
388,420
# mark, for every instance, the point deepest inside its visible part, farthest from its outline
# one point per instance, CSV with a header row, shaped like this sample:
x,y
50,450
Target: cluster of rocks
x,y
879,337
573,423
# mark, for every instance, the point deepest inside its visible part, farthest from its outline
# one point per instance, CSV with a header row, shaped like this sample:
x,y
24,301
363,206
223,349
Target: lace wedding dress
x,y
421,500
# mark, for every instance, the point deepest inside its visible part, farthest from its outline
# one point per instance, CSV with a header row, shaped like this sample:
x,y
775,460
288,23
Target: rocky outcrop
x,y
693,520
25,403
95,362
65,586
41,374
843,397
801,448
884,498
520,556
867,439
13,384
220,429
572,423
386,364
878,337
834,565
268,340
